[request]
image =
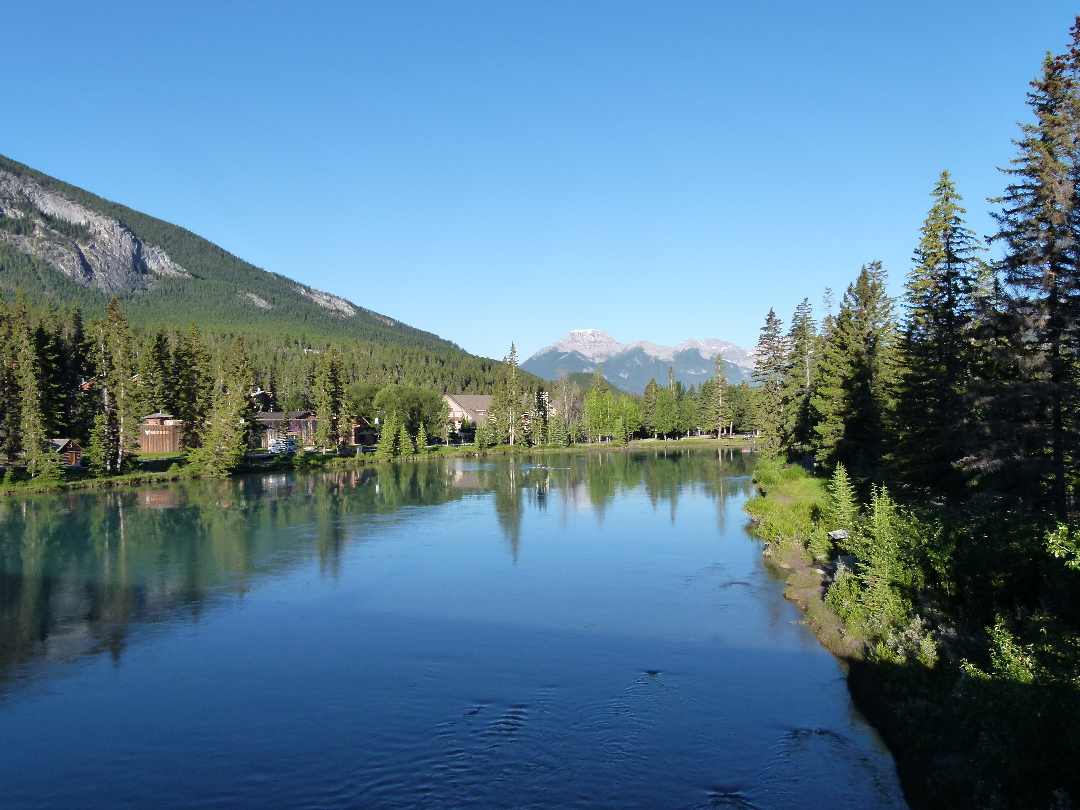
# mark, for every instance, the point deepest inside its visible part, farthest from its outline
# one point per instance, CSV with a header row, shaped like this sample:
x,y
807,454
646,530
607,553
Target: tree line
x,y
948,419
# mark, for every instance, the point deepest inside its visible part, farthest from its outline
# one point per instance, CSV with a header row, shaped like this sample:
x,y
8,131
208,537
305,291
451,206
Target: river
x,y
558,631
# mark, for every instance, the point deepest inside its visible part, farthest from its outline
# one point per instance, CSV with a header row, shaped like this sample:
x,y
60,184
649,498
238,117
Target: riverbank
x,y
972,715
174,468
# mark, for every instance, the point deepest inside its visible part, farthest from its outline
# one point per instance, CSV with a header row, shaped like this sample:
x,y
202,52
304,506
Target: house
x,y
473,407
69,450
160,433
365,434
298,425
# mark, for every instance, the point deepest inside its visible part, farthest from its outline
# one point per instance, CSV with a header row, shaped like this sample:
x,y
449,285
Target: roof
x,y
59,444
277,416
472,402
160,415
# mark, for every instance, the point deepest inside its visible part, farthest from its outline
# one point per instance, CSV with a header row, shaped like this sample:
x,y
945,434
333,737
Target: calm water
x,y
597,633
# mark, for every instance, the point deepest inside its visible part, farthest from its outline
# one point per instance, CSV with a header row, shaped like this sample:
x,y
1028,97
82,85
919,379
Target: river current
x,y
559,631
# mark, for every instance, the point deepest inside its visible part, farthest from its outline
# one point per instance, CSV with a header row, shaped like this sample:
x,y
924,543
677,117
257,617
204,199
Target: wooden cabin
x,y
69,450
160,433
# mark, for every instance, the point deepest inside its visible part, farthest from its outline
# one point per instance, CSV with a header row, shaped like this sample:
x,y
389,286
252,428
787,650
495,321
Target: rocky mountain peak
x,y
88,247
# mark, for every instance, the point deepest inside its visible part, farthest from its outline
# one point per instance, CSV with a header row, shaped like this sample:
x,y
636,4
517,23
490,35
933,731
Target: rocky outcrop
x,y
90,248
327,301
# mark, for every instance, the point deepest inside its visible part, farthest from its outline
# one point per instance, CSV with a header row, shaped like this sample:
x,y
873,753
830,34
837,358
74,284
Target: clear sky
x,y
507,171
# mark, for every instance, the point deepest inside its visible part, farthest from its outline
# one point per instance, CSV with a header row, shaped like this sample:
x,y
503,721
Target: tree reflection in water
x,y
81,571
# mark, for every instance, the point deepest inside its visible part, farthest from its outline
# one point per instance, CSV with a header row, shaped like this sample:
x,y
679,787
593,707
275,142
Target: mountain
x,y
630,366
61,242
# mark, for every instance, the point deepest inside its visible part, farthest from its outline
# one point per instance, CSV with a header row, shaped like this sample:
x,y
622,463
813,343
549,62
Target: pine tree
x,y
505,414
10,408
720,413
1039,228
648,407
404,442
539,419
388,438
155,372
114,439
421,440
854,393
666,418
230,423
770,368
798,378
36,452
329,397
937,349
193,385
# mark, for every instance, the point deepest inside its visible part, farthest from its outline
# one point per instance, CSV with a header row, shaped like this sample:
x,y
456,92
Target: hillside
x,y
61,242
630,366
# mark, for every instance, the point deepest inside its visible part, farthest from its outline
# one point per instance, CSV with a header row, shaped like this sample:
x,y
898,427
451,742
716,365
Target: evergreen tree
x,y
230,423
421,439
688,412
770,368
539,419
1039,228
648,407
854,394
404,442
666,418
114,438
36,452
155,372
389,446
718,412
193,386
937,349
505,414
10,408
798,378
329,399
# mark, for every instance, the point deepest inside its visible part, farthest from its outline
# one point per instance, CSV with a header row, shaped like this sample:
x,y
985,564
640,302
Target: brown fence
x,y
159,439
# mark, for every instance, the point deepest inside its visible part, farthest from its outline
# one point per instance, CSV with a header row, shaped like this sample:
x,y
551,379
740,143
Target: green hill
x,y
63,244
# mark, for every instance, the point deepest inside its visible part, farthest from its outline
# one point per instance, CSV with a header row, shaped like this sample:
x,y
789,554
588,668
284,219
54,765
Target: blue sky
x,y
508,171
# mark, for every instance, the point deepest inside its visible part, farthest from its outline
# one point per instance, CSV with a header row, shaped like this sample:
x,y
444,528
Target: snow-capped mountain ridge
x,y
597,346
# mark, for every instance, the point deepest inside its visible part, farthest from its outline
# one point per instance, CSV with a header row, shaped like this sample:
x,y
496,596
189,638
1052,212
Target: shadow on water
x,y
80,572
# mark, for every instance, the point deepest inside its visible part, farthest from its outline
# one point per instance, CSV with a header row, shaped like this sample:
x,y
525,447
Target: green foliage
x,y
412,407
770,363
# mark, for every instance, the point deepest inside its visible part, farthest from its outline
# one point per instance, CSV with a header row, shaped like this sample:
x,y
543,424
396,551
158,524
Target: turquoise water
x,y
594,631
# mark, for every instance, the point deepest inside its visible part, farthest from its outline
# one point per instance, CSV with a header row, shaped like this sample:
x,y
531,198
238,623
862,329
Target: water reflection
x,y
81,571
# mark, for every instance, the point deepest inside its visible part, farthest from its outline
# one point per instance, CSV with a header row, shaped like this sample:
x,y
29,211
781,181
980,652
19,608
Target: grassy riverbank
x,y
163,467
979,707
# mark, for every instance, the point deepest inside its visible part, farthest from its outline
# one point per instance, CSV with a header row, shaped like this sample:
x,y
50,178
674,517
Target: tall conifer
x,y
770,365
936,350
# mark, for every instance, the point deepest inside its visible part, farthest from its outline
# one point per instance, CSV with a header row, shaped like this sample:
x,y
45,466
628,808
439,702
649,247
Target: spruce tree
x,y
505,423
1039,228
770,368
666,418
230,423
193,384
648,407
854,392
937,349
36,452
114,438
802,343
155,375
329,398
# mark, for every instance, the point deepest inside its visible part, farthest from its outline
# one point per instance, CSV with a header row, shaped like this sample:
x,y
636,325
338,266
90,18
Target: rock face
x,y
630,366
90,248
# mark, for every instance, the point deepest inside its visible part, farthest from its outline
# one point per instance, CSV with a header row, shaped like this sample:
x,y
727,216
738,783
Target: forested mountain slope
x,y
61,242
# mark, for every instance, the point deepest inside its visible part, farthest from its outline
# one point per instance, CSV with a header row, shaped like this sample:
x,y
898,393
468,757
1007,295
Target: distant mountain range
x,y
630,366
